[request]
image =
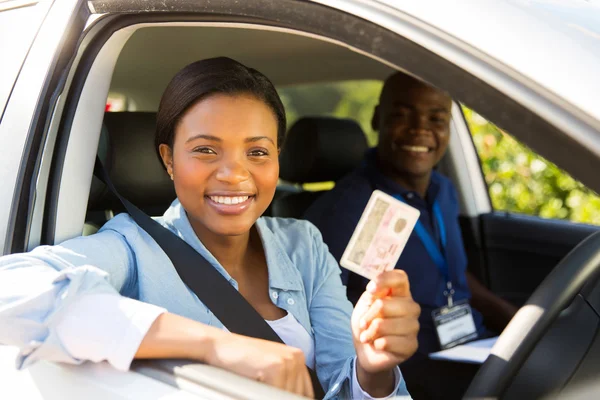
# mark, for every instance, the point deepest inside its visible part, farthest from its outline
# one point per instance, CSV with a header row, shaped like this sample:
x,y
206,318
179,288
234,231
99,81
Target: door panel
x,y
518,251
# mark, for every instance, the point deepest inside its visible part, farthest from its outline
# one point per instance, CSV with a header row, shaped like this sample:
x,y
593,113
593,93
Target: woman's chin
x,y
233,231
231,227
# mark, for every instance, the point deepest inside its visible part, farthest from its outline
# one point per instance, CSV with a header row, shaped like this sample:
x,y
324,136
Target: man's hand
x,y
384,326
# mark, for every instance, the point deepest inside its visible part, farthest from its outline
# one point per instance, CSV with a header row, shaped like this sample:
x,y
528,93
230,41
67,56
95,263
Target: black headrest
x,y
321,149
132,163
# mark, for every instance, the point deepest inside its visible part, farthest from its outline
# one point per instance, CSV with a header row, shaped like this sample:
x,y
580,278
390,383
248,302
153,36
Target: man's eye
x,y
258,153
437,119
400,114
204,150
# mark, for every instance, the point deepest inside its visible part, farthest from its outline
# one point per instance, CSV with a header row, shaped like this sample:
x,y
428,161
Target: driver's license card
x,y
380,236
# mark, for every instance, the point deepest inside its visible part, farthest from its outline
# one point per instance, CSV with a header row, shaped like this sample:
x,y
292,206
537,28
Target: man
x,y
413,121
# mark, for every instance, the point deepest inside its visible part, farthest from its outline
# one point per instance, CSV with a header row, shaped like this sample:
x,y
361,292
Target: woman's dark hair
x,y
208,77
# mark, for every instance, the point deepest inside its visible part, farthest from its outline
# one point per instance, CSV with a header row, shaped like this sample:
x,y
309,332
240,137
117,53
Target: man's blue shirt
x,y
337,213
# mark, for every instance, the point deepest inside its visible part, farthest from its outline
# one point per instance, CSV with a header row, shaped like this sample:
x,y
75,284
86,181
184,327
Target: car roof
x,y
550,45
553,43
286,58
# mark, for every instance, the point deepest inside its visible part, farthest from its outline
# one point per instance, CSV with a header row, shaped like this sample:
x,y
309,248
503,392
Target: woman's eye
x,y
204,150
258,153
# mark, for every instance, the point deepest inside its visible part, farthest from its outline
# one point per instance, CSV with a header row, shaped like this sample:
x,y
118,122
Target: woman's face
x,y
224,162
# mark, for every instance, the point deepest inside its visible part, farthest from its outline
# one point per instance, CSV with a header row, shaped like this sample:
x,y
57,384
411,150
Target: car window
x,y
18,27
521,181
346,99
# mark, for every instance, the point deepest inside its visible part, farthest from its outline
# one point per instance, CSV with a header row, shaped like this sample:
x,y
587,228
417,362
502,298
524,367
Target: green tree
x,y
521,181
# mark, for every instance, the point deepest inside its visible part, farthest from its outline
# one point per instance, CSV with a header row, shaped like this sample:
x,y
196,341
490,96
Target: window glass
x,y
347,99
523,182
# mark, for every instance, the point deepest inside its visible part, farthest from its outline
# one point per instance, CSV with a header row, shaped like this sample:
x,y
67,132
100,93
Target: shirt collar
x,y
382,182
283,274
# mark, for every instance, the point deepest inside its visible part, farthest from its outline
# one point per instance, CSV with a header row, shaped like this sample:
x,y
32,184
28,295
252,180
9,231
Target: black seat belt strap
x,y
222,299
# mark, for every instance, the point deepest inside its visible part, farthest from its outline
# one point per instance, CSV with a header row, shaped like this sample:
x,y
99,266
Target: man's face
x,y
414,127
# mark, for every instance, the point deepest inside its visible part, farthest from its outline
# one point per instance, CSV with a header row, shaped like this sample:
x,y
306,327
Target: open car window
x,y
521,181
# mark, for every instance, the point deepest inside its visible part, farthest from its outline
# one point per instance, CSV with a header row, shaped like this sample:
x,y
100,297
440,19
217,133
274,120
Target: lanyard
x,y
432,248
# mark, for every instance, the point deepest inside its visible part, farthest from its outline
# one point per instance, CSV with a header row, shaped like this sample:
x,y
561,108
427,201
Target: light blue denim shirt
x,y
304,280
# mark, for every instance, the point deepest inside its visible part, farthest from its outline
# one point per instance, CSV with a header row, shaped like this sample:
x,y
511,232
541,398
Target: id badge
x,y
454,324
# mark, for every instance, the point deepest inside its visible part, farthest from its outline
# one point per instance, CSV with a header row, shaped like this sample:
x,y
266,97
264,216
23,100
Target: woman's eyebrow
x,y
203,136
257,138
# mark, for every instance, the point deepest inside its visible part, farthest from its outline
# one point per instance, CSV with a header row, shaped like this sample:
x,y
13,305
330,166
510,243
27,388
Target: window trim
x,y
464,167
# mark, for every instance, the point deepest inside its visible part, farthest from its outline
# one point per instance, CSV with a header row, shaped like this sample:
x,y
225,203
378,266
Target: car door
x,y
538,214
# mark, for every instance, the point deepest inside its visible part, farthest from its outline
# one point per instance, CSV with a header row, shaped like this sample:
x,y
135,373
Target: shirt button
x,y
290,302
275,295
410,195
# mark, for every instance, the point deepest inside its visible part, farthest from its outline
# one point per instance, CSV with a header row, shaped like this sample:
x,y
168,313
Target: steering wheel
x,y
574,277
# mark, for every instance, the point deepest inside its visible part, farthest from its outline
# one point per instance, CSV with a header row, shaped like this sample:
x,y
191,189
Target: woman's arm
x,y
38,288
330,314
56,306
173,336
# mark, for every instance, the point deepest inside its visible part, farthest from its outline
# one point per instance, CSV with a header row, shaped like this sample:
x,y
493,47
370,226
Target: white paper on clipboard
x,y
475,352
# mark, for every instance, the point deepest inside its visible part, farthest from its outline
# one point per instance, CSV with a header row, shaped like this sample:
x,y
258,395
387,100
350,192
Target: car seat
x,y
317,149
127,151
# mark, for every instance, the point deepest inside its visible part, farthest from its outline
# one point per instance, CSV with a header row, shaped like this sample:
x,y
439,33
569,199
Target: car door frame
x,y
27,117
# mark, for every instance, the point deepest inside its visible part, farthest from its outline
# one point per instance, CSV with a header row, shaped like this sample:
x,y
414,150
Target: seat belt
x,y
221,298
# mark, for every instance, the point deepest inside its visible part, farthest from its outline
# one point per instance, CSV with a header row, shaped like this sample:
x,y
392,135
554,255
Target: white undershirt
x,y
108,327
293,334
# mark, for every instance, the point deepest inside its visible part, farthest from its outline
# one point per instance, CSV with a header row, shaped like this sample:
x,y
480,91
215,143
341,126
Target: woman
x,y
220,126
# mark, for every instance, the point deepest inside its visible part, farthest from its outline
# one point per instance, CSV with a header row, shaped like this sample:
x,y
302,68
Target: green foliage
x,y
519,180
523,182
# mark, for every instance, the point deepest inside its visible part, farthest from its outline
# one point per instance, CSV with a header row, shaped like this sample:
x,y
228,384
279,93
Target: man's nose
x,y
419,124
232,171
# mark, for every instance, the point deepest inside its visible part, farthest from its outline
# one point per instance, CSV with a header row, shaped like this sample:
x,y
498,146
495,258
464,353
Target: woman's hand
x,y
384,326
269,362
173,336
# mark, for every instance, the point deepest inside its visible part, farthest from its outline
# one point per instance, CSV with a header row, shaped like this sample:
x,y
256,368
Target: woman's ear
x,y
375,119
166,153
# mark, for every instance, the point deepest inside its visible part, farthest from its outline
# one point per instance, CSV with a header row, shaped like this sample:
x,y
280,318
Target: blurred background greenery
x,y
519,180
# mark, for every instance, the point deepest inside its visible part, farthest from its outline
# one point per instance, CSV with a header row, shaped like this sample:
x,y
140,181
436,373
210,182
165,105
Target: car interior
x,y
318,148
137,61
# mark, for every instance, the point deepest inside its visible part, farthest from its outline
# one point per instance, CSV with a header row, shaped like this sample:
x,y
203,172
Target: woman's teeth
x,y
417,149
229,199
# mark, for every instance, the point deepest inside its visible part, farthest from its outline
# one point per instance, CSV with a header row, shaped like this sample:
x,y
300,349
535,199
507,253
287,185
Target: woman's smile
x,y
224,163
230,203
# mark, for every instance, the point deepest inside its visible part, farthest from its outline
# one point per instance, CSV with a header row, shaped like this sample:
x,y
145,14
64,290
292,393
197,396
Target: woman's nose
x,y
232,171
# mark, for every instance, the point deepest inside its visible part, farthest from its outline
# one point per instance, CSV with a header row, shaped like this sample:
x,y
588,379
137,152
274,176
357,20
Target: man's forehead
x,y
407,91
423,98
